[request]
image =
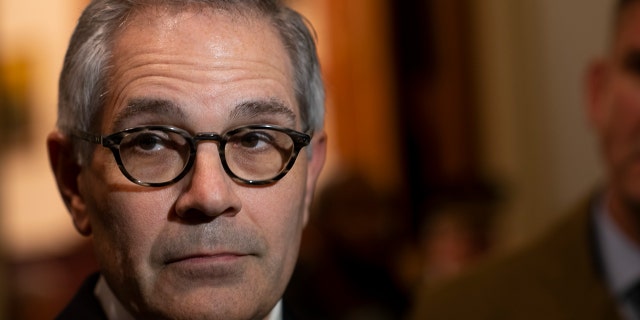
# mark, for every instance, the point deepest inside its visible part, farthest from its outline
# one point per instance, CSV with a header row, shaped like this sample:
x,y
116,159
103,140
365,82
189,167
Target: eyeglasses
x,y
157,156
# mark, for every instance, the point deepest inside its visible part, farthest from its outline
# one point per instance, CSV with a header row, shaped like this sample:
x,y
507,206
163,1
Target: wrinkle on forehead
x,y
164,25
157,42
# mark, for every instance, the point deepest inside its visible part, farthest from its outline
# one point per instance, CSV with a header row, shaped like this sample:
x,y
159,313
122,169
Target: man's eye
x,y
147,142
254,140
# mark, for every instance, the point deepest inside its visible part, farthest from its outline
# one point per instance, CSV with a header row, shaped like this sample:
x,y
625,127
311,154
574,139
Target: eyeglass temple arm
x,y
87,136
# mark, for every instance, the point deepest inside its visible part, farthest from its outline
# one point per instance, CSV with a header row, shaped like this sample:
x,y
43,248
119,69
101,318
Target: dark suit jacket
x,y
85,305
557,277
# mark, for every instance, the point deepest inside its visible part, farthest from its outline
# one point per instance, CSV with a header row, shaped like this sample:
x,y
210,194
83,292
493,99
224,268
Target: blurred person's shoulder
x,y
555,276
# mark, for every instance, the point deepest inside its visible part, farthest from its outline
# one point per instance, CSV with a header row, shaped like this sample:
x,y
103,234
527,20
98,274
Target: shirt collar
x,y
110,304
620,256
115,310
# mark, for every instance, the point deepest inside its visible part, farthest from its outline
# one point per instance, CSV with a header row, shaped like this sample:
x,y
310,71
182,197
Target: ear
x,y
67,172
314,167
597,81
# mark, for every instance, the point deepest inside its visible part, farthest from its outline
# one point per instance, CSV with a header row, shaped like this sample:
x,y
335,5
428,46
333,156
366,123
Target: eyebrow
x,y
257,108
244,110
136,107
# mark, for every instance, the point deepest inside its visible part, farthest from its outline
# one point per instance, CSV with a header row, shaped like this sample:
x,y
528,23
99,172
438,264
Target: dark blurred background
x,y
456,131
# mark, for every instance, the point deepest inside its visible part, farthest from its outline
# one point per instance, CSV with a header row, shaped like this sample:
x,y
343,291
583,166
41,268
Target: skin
x,y
614,112
205,247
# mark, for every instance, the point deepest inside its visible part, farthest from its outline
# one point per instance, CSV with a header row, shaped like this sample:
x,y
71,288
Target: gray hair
x,y
84,76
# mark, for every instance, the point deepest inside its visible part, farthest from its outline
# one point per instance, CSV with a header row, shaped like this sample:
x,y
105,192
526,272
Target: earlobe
x,y
67,172
314,167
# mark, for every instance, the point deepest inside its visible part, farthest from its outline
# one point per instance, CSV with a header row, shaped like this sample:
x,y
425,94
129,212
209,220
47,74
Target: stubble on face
x,y
232,266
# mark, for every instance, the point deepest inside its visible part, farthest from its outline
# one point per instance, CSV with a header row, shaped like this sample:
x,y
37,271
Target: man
x,y
586,267
189,140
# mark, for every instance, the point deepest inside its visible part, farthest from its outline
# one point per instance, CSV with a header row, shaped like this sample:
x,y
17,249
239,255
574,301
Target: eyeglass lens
x,y
158,156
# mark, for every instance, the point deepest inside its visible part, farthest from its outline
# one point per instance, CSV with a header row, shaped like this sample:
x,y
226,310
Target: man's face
x,y
615,108
206,246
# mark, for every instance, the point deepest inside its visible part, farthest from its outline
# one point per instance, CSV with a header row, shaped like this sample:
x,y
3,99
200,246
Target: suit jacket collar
x,y
572,269
84,304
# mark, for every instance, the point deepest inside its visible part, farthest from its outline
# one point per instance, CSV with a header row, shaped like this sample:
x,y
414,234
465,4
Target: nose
x,y
208,191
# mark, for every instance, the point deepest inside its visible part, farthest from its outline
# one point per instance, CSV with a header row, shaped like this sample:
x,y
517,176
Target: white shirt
x,y
116,311
620,258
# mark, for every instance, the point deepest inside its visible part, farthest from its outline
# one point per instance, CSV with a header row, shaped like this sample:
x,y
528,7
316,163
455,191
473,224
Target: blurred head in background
x,y
614,112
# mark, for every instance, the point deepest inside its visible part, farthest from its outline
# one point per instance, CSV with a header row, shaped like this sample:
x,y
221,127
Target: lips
x,y
207,257
216,244
207,268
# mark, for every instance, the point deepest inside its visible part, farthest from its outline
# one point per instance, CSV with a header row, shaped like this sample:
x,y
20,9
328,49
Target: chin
x,y
213,310
209,303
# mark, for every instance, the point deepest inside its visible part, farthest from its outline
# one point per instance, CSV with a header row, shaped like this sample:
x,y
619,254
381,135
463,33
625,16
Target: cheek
x,y
626,104
278,212
622,119
124,225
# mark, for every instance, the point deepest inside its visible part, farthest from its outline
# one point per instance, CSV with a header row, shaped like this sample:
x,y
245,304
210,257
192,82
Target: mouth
x,y
212,253
219,257
215,267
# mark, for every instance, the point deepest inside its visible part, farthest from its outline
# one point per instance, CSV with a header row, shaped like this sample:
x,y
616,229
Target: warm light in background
x,y
516,65
33,219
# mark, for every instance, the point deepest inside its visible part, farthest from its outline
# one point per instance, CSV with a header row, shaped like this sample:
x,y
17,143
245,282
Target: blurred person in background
x,y
587,266
349,266
453,238
188,143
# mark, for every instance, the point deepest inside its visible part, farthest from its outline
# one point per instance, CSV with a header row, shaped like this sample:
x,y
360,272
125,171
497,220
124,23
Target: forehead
x,y
162,51
209,30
